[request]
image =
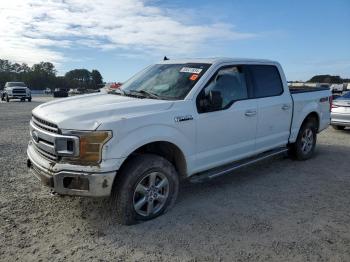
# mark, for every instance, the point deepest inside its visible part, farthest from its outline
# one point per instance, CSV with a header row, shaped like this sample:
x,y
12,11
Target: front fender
x,y
126,143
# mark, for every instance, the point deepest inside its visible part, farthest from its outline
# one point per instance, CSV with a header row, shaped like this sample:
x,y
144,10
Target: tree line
x,y
44,75
329,79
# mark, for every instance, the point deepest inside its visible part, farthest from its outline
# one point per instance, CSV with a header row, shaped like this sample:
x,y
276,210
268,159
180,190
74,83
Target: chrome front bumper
x,y
67,182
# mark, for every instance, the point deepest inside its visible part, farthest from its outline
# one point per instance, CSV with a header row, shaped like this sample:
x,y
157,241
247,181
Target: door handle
x,y
285,107
250,113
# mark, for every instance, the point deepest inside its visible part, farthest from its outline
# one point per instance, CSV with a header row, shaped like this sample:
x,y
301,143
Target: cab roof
x,y
217,60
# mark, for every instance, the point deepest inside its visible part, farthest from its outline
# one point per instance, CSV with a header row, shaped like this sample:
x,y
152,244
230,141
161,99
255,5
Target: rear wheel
x,y
146,187
338,127
304,146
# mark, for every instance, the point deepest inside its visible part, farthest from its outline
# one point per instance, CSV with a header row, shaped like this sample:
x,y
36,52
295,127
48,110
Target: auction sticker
x,y
194,77
191,70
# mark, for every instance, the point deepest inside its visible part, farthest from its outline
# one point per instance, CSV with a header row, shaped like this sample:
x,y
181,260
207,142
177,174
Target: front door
x,y
226,126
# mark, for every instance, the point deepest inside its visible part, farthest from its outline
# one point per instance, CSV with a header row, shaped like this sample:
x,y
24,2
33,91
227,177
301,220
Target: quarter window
x,y
266,80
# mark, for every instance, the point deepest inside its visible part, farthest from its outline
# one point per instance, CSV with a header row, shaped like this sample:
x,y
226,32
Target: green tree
x,y
80,77
43,75
326,79
96,78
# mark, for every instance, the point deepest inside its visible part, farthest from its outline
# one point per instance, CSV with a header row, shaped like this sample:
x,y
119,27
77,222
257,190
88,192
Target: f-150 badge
x,y
183,118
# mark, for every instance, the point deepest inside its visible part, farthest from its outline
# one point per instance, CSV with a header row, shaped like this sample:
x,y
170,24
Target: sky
x,y
120,37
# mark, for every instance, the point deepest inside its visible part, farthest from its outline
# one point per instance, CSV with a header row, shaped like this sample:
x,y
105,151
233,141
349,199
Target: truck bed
x,y
307,100
306,89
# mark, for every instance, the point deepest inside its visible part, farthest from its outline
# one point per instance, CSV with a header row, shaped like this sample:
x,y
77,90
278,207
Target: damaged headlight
x,y
90,146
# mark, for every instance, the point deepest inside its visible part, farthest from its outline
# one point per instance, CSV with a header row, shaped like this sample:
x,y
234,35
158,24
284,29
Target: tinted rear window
x,y
266,80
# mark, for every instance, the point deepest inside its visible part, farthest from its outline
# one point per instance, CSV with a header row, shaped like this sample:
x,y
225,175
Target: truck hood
x,y
88,112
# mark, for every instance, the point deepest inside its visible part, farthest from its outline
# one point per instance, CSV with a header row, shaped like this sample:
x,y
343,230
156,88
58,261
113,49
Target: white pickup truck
x,y
178,119
16,90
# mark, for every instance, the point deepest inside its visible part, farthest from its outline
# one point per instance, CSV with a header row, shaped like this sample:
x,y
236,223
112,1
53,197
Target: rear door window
x,y
266,80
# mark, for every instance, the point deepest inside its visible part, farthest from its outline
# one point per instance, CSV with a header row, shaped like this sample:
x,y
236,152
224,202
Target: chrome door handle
x,y
285,107
250,113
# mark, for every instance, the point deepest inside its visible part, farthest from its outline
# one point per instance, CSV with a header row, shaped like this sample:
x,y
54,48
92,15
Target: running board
x,y
225,169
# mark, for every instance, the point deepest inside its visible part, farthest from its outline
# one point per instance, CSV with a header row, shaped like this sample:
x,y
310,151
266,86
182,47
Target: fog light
x,y
77,183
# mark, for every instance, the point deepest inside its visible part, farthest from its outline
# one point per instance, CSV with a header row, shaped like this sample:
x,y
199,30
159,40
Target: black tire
x,y
338,127
297,149
7,98
23,99
125,196
29,99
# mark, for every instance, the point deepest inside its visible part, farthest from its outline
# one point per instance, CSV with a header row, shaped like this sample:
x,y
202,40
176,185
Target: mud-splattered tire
x,y
146,187
304,146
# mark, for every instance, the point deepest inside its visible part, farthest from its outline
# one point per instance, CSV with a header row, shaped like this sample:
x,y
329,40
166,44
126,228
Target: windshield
x,y
346,96
12,84
165,81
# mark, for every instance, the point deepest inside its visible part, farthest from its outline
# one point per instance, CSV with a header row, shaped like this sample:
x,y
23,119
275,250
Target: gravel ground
x,y
275,211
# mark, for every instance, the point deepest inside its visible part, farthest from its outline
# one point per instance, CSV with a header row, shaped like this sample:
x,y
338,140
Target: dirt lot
x,y
275,211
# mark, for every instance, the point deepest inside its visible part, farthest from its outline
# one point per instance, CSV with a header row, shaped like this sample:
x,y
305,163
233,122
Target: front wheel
x,y
304,146
7,98
146,187
29,99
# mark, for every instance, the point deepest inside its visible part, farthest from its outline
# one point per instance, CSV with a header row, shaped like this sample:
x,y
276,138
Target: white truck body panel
x,y
208,141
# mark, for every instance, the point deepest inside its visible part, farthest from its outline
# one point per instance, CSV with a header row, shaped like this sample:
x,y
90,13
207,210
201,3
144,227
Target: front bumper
x,y
19,96
68,182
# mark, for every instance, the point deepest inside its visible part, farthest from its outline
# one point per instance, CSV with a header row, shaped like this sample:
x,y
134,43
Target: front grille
x,y
45,154
44,144
18,91
45,125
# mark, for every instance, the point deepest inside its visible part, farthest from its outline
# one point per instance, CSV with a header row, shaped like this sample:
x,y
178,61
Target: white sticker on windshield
x,y
191,70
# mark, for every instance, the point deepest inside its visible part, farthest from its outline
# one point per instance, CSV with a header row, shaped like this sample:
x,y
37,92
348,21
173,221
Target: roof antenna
x,y
165,58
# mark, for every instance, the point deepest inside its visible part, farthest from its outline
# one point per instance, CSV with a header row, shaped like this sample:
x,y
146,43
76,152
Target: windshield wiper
x,y
118,92
146,93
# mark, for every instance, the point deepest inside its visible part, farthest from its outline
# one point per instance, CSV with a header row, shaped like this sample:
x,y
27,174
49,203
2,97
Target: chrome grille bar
x,y
45,125
52,145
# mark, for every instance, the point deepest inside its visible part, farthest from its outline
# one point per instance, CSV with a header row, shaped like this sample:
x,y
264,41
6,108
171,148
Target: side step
x,y
225,169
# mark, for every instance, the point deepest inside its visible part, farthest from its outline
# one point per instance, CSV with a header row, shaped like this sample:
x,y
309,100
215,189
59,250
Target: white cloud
x,y
32,30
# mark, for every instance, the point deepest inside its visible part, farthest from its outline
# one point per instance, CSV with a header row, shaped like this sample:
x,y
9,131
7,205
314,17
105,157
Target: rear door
x,y
275,107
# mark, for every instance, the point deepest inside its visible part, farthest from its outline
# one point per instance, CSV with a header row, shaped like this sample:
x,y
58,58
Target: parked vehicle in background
x,y
74,91
337,88
47,91
195,119
60,93
340,115
16,90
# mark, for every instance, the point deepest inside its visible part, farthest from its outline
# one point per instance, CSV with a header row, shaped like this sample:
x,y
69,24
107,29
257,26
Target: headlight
x,y
90,146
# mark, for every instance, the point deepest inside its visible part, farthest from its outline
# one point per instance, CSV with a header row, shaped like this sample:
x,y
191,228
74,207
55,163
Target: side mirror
x,y
211,102
215,100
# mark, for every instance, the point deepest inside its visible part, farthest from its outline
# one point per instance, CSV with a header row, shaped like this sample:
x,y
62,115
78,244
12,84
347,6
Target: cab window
x,y
225,87
266,80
